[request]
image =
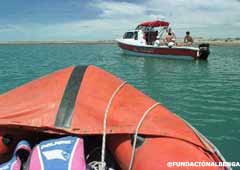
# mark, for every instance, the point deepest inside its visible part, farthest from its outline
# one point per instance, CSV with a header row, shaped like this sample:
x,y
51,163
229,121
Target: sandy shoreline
x,y
57,42
214,42
219,42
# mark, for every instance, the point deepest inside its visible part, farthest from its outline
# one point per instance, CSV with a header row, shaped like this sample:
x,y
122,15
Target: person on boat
x,y
169,38
188,40
169,29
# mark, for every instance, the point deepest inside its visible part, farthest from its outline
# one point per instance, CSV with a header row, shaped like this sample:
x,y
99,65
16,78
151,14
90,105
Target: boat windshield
x,y
130,35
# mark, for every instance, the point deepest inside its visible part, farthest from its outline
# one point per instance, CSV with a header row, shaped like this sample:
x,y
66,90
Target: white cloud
x,y
206,18
215,18
119,9
199,12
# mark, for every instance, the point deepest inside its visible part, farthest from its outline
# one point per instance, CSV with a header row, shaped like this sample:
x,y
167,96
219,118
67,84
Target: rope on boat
x,y
207,143
103,164
136,133
202,138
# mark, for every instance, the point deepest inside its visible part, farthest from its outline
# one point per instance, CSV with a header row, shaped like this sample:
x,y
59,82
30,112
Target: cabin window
x,y
128,35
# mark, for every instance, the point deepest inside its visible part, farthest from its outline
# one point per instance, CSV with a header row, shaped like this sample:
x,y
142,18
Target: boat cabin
x,y
147,33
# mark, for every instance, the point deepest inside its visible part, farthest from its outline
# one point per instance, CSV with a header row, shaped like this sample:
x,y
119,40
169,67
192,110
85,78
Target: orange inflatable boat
x,y
86,101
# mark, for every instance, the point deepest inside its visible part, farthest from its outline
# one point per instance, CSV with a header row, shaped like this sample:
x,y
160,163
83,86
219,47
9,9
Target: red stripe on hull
x,y
159,51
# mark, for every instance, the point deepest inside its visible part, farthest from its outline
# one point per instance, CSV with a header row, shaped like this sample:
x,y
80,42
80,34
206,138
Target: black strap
x,y
64,114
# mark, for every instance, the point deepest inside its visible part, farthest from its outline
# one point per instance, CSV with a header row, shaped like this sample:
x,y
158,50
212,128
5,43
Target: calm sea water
x,y
207,94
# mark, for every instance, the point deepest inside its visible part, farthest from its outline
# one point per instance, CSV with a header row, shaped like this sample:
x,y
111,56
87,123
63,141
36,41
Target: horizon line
x,y
197,40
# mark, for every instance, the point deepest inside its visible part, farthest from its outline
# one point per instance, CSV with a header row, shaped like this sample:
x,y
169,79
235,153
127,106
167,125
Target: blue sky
x,y
26,20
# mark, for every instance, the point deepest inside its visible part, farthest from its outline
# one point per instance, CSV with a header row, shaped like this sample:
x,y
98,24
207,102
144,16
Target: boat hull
x,y
158,153
163,56
75,101
161,52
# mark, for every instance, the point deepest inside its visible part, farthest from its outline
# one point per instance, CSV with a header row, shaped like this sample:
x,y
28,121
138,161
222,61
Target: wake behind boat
x,y
146,39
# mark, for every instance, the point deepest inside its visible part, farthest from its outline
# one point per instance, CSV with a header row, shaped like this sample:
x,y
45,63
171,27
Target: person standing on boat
x,y
188,40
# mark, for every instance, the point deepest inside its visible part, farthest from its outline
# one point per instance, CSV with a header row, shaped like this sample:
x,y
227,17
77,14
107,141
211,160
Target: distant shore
x,y
219,41
215,41
58,42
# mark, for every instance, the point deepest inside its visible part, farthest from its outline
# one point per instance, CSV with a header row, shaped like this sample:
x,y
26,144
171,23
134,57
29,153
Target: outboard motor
x,y
204,51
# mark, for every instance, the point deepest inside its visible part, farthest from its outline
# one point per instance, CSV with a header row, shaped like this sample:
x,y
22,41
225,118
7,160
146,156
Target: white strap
x,y
136,134
103,164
